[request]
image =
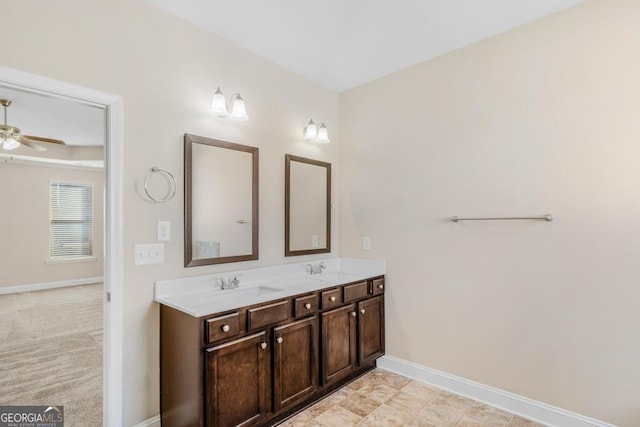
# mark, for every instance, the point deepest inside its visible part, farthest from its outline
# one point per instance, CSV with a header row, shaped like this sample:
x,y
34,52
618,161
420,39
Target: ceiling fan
x,y
11,137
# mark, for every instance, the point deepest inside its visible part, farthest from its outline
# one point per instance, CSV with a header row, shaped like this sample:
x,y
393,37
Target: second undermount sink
x,y
248,292
337,276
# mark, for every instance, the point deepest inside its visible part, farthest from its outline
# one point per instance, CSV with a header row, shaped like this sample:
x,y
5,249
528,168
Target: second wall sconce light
x,y
235,110
316,133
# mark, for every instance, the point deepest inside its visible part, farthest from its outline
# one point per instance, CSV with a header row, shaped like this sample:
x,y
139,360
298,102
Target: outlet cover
x,y
164,231
366,243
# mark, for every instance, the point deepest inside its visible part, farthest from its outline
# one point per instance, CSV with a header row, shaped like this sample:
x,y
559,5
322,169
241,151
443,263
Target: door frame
x,y
113,250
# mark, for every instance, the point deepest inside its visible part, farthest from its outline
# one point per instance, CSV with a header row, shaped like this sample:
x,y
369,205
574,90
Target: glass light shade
x,y
219,104
238,111
310,131
323,134
9,144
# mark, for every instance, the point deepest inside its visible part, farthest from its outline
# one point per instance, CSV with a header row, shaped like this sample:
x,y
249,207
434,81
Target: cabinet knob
x,y
225,328
332,299
307,306
362,311
353,313
380,286
263,345
279,340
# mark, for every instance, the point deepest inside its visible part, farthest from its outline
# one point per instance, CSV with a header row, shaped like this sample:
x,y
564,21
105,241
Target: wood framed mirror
x,y
220,201
307,206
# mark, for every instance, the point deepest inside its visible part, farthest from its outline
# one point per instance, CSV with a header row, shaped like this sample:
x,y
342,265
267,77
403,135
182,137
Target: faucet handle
x,y
322,265
221,283
309,268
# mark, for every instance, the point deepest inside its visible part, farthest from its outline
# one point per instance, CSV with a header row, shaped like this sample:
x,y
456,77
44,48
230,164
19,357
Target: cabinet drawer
x,y
332,298
356,291
268,314
378,286
306,305
223,327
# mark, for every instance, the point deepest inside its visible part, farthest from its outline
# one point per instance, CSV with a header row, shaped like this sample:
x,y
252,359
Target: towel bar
x,y
546,217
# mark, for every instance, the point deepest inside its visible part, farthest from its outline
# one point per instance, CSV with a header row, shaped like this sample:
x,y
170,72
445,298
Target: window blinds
x,y
71,220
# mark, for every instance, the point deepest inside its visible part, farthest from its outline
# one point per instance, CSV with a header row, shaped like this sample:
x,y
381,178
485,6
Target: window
x,y
71,208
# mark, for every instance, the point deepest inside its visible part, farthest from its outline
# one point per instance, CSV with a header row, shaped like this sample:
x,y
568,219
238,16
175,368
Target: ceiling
x,y
75,123
345,43
337,43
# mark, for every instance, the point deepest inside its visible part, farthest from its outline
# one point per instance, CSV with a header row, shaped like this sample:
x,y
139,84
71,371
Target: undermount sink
x,y
334,276
248,292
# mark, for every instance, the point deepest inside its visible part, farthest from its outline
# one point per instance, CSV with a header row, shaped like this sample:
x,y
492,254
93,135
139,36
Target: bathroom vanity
x,y
282,339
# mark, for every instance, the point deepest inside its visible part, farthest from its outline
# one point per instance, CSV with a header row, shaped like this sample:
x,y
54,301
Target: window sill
x,y
71,259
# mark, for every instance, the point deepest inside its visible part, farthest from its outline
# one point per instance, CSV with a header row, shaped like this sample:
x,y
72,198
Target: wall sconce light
x,y
316,133
234,111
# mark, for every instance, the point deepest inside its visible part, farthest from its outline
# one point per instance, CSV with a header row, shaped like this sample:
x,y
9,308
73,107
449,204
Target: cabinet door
x,y
370,330
236,382
295,360
338,343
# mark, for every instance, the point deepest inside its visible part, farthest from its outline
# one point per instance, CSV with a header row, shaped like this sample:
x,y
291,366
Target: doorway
x,y
111,294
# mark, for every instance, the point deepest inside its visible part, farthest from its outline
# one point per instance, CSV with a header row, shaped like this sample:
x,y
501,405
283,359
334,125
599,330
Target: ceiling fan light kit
x,y
8,133
11,137
9,143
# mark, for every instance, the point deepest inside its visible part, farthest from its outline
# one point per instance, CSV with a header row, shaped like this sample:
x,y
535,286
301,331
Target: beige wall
x,y
24,224
166,71
541,119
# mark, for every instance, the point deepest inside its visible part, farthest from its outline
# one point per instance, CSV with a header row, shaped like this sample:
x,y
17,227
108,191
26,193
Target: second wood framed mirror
x,y
307,228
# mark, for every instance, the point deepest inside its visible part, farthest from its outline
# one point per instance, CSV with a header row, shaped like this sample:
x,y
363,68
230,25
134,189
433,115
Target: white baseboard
x,y
49,285
151,422
510,402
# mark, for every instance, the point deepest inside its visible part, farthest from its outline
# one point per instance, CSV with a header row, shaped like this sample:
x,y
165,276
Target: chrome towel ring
x,y
172,185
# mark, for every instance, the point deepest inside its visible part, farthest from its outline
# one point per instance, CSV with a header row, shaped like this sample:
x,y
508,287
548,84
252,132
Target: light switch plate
x,y
164,231
315,241
149,254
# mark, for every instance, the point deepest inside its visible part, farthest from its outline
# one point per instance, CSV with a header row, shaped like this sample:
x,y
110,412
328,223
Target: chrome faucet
x,y
231,283
315,268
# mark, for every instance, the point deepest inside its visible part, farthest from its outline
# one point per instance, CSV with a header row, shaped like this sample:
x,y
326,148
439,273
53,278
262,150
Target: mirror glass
x,y
221,201
307,206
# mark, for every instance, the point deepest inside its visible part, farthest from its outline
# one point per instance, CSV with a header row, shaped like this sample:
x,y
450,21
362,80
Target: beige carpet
x,y
51,351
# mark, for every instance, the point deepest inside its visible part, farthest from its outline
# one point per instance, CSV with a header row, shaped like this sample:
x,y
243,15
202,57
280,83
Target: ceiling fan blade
x,y
31,144
43,139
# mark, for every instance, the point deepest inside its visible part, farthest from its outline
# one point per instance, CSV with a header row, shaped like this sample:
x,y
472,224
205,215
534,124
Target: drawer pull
x,y
279,339
307,306
263,345
362,311
225,328
380,286
353,313
332,299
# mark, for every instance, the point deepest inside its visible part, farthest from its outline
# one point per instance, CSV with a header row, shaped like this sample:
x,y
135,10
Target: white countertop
x,y
200,296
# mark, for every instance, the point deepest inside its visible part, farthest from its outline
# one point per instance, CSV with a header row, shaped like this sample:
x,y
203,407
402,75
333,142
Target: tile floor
x,y
381,398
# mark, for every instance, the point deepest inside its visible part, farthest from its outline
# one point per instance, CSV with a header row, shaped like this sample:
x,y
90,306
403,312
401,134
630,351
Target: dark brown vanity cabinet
x,y
237,377
338,343
236,382
295,362
370,330
259,364
352,336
